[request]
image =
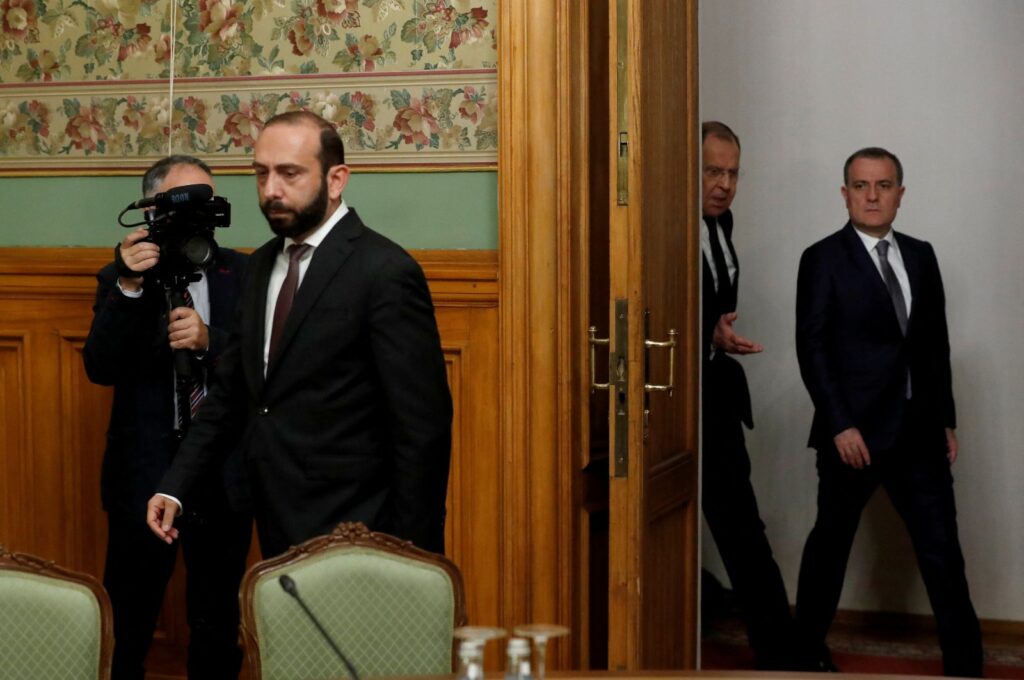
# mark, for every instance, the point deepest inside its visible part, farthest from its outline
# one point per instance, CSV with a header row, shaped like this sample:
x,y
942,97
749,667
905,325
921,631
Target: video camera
x,y
181,222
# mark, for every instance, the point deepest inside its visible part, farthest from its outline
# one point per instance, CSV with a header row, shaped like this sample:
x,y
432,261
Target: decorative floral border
x,y
415,121
86,85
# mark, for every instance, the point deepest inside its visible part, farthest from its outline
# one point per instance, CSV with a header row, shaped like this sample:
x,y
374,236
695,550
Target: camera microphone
x,y
288,585
184,195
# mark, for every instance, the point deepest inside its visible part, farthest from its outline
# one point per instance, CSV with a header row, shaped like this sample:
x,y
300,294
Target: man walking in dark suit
x,y
873,348
727,496
334,381
130,347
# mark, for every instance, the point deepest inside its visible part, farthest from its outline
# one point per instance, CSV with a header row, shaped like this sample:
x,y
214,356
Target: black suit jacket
x,y
853,356
353,419
725,392
127,347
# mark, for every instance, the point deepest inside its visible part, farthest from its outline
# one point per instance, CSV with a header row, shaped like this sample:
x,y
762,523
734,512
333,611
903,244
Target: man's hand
x,y
952,445
138,255
727,340
852,449
160,514
186,330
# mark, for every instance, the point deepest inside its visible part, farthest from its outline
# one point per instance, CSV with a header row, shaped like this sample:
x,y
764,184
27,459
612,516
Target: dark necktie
x,y
725,293
197,391
287,294
895,291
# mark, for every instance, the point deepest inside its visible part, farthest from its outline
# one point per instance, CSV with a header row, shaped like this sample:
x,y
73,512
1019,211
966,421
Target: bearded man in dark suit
x,y
334,382
873,348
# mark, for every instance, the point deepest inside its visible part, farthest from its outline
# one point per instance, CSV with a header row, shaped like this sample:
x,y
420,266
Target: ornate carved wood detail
x,y
30,564
344,536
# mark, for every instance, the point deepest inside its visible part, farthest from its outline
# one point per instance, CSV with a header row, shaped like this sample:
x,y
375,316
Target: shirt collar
x,y
870,241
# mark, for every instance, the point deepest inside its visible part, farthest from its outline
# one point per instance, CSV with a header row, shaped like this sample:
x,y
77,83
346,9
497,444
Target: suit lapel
x,y
912,263
328,257
219,285
725,221
864,266
254,322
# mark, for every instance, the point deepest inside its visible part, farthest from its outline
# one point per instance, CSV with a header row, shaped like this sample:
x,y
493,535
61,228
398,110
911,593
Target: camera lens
x,y
198,250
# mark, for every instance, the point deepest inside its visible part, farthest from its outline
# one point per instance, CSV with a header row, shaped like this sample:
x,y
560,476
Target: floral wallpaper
x,y
88,85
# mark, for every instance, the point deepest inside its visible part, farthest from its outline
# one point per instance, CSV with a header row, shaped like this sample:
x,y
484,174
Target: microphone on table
x,y
288,585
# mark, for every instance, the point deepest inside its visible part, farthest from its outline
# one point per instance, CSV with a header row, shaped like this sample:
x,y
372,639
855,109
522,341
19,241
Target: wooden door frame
x,y
542,209
536,216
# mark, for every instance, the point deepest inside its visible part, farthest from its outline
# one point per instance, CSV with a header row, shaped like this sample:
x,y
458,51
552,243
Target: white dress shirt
x,y
705,246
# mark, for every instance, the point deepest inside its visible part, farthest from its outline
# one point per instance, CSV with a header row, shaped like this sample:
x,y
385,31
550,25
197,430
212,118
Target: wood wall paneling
x,y
84,412
12,432
53,423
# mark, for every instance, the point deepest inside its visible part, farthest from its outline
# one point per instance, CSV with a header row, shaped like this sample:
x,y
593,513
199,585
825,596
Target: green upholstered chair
x,y
390,607
54,623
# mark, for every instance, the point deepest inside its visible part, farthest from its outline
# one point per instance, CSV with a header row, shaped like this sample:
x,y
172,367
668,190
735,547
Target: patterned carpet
x,y
861,650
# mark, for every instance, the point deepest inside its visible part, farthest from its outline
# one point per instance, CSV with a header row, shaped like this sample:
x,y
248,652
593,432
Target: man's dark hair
x,y
875,152
714,128
158,172
332,150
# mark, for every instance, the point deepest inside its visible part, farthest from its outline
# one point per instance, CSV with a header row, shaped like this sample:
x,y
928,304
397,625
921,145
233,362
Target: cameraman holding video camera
x,y
138,320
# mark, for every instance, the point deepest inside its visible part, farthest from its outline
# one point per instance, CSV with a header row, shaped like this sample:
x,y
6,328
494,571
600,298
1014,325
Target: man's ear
x,y
337,179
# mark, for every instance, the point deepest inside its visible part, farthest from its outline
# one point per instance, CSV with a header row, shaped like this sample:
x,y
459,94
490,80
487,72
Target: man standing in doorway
x,y
873,348
727,496
334,381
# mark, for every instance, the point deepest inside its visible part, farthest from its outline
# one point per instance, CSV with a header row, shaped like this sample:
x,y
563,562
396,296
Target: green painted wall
x,y
444,210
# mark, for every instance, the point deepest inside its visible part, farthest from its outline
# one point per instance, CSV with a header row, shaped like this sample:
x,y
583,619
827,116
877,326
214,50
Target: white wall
x,y
940,83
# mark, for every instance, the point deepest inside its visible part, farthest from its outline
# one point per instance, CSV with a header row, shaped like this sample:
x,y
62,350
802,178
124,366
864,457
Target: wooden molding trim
x,y
456,277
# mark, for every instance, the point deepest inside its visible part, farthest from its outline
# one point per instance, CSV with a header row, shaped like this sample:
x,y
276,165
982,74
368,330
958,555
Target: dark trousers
x,y
730,509
920,485
137,570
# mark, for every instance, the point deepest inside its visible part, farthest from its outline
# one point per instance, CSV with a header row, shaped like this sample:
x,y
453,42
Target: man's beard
x,y
299,222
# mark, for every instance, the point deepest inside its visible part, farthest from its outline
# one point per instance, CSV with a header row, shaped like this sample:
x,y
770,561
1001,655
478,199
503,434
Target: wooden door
x,y
568,252
654,353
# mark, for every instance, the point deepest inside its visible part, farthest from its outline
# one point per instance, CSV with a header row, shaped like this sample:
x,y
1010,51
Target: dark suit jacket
x,y
353,419
853,357
127,347
725,392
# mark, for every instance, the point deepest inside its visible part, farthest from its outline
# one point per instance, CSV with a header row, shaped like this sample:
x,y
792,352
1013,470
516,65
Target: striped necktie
x,y
197,391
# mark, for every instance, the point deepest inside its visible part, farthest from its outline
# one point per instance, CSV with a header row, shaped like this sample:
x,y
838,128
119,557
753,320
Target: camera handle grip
x,y
182,357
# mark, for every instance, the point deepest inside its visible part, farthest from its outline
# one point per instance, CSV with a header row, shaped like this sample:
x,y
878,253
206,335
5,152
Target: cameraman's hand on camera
x,y
138,255
187,330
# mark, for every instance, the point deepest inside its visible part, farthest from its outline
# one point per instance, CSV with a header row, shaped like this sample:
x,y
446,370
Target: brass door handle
x,y
594,342
671,344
